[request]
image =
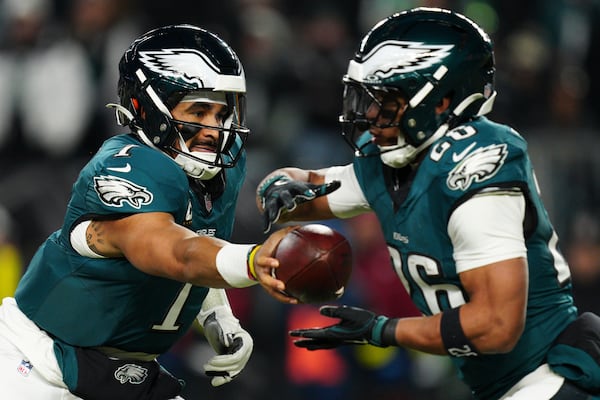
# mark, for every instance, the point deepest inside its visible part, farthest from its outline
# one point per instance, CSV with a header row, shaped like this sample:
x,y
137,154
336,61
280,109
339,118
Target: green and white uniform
x,y
92,302
423,234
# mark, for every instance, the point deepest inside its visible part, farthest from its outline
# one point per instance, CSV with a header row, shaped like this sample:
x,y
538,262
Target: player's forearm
x,y
427,334
485,335
185,259
421,333
197,261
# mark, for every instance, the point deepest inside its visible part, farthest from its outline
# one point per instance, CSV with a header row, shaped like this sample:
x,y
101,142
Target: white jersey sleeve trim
x,y
349,200
79,242
488,228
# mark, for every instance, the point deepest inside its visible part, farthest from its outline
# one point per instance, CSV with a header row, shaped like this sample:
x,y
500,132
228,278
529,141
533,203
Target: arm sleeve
x,y
215,298
488,228
349,200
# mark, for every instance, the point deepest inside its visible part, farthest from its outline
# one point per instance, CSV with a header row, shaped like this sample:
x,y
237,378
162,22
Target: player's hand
x,y
264,262
357,326
230,341
280,193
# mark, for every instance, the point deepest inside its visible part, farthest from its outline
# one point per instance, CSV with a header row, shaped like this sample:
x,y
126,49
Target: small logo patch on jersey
x,y
115,192
125,169
478,166
131,373
462,154
401,238
24,368
208,202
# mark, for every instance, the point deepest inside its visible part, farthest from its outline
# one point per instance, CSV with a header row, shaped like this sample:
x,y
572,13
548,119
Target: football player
x,y
142,252
457,200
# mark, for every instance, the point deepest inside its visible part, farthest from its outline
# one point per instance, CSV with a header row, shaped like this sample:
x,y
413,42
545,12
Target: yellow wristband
x,y
251,255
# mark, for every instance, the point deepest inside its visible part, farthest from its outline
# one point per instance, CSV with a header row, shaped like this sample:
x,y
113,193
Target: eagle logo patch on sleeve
x,y
115,192
481,164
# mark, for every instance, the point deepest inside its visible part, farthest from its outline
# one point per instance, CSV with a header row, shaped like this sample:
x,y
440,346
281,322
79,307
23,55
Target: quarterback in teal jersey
x,y
143,250
457,201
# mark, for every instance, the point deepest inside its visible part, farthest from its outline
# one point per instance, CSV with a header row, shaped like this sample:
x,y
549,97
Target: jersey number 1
x,y
169,323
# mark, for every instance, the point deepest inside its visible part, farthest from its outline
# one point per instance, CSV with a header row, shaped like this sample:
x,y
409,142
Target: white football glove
x,y
224,333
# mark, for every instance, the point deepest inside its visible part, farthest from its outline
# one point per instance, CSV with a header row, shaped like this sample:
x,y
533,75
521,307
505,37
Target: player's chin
x,y
385,142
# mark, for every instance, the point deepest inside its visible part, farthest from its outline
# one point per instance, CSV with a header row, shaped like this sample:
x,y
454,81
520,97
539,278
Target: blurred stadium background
x,y
58,68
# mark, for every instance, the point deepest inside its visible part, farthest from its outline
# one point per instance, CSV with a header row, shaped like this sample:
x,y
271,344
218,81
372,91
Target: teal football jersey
x,y
107,301
468,159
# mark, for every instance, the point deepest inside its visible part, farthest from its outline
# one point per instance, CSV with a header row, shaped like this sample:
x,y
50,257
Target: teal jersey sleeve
x,y
475,157
127,177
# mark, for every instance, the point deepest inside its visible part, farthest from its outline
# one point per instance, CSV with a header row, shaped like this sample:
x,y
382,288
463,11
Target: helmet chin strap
x,y
123,115
125,118
402,154
194,168
398,157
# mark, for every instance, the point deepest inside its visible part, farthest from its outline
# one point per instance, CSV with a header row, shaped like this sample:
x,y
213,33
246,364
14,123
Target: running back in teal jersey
x,y
469,159
122,306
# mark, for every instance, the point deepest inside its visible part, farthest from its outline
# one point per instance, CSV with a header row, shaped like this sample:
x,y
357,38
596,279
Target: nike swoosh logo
x,y
125,169
188,213
462,154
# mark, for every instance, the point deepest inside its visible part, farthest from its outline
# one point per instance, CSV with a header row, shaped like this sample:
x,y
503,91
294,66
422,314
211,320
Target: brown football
x,y
315,263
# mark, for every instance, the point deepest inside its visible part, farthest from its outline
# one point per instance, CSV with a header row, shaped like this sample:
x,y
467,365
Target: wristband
x,y
455,341
250,261
232,264
388,332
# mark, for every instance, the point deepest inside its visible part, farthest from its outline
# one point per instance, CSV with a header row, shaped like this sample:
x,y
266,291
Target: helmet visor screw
x,y
412,123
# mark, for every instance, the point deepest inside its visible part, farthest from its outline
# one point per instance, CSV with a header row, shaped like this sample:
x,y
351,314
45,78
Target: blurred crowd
x,y
58,69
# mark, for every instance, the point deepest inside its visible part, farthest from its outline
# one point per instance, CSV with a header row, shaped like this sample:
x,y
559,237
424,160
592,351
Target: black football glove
x,y
280,192
357,326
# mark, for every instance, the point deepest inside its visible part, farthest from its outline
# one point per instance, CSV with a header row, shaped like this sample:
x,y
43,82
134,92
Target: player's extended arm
x,y
293,194
156,245
491,322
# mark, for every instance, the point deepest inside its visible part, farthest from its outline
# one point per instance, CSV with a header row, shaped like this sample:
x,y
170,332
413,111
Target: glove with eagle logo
x,y
279,193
